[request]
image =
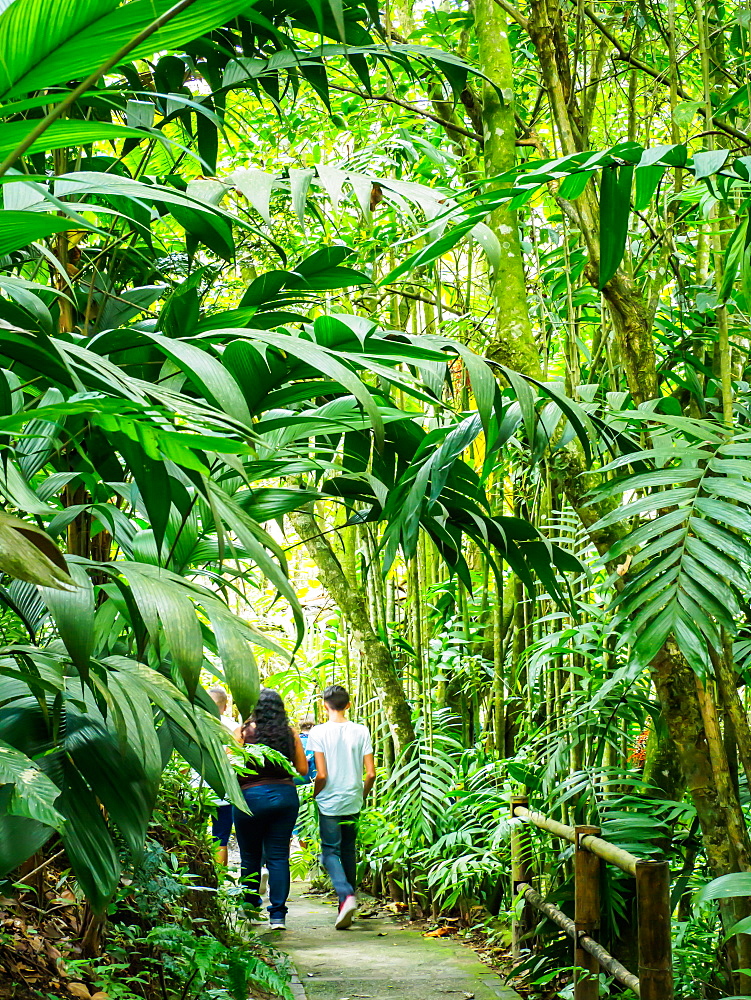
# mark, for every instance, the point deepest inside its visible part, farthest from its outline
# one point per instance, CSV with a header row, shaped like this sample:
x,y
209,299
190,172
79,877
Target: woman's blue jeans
x,y
266,835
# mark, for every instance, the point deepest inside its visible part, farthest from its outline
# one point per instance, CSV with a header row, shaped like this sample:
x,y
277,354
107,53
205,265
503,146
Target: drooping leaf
x,y
87,841
725,887
615,210
18,229
73,611
28,553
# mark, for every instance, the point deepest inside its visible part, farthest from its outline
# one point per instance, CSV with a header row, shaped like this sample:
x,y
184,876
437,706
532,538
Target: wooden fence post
x,y
587,915
653,914
520,872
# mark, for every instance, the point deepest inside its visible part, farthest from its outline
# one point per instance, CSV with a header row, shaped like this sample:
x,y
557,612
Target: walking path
x,y
378,959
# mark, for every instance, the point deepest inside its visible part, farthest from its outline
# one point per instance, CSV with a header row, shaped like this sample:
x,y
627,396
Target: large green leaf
x,y
137,715
88,842
322,361
239,663
48,42
19,839
259,544
63,133
33,794
18,229
210,377
114,775
167,613
725,887
212,231
692,569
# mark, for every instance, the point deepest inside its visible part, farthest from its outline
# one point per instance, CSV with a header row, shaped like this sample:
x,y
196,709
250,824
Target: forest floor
x,y
377,958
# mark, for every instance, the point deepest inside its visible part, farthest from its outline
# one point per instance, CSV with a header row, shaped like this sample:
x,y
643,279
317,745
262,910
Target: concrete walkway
x,y
376,959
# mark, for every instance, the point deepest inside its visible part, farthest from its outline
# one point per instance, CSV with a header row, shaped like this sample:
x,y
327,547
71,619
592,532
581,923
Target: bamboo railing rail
x,y
608,852
655,979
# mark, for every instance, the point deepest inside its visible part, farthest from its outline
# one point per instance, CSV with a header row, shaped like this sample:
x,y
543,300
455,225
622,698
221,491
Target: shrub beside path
x,y
378,959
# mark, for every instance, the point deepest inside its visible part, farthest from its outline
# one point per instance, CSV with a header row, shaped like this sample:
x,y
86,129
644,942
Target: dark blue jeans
x,y
221,825
338,856
266,834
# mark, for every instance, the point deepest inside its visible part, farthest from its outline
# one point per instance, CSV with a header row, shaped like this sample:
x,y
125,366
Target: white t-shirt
x,y
344,744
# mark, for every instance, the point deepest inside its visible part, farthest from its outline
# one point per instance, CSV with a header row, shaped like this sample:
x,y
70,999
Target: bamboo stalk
x,y
499,715
721,313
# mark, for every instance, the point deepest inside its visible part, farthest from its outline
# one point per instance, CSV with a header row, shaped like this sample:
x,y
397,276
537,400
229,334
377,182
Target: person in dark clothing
x,y
270,793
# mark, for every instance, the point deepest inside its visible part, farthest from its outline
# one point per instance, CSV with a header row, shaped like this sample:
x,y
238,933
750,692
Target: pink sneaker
x,y
347,910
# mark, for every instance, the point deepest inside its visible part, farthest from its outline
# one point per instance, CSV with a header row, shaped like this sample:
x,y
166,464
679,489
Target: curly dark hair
x,y
272,728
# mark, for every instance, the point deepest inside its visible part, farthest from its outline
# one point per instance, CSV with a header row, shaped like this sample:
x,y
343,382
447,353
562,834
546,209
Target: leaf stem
x,y
62,107
409,107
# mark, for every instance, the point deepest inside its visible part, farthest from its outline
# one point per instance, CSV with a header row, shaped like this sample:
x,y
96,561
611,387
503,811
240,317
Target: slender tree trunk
x,y
514,344
375,655
628,310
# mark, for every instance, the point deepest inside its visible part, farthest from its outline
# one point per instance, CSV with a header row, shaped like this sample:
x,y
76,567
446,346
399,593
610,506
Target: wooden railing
x,y
655,978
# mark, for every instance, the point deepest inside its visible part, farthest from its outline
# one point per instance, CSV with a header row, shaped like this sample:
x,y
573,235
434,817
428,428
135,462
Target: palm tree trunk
x,y
375,655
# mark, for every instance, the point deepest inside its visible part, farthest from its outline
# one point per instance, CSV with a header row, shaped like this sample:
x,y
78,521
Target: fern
x,y
691,574
245,969
423,779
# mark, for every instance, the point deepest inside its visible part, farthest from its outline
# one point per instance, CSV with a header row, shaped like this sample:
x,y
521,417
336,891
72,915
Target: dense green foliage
x,y
400,346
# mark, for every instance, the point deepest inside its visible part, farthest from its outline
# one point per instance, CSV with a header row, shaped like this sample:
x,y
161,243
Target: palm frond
x,y
689,572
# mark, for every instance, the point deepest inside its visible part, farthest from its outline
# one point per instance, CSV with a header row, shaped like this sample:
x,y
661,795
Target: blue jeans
x,y
266,834
338,837
221,825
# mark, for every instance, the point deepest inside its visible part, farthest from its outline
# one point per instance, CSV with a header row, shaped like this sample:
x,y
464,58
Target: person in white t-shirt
x,y
345,774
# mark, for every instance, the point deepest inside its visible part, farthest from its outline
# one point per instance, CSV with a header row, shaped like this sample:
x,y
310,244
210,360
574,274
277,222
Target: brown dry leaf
x,y
53,953
625,566
100,996
438,932
79,990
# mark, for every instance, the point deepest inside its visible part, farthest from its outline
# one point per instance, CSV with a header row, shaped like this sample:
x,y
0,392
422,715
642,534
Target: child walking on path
x,y
343,753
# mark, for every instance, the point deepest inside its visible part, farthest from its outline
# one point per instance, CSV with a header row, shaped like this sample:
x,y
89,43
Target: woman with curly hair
x,y
269,791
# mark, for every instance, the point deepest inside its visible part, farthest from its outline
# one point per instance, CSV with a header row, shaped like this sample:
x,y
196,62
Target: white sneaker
x,y
277,925
347,911
263,887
